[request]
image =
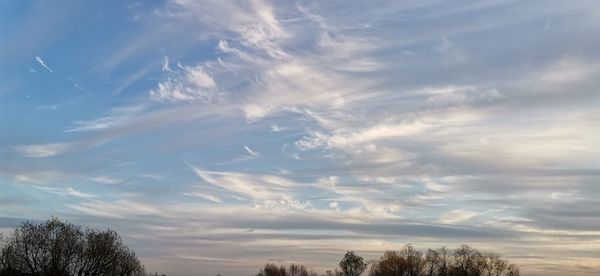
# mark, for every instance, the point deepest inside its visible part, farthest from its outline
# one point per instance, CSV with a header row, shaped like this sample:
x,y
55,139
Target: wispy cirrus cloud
x,y
42,150
259,187
107,180
193,84
66,191
43,64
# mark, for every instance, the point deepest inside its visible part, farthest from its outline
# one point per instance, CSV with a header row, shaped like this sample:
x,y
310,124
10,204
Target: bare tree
x,y
272,270
444,261
50,248
432,262
297,270
467,261
352,264
512,270
390,264
494,264
414,260
59,248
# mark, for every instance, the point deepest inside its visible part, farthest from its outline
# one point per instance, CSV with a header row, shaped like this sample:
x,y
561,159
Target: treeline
x,y
463,261
56,248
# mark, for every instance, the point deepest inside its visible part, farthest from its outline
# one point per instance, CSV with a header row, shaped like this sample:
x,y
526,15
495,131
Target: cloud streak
x,y
43,64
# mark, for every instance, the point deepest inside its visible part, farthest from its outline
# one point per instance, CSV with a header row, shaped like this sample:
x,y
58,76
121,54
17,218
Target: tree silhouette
x,y
464,261
352,264
433,262
59,248
293,270
391,263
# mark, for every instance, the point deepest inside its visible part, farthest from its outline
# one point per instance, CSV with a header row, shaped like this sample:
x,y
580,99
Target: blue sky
x,y
218,135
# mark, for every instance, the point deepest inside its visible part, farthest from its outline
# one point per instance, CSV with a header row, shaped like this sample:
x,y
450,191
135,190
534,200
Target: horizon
x,y
216,136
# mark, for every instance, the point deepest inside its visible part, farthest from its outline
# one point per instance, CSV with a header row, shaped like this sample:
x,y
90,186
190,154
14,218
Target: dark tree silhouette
x,y
444,261
463,261
467,262
391,263
433,262
414,260
59,248
352,264
293,270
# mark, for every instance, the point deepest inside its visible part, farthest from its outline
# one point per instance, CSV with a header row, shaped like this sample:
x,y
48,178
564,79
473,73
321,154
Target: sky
x,y
215,136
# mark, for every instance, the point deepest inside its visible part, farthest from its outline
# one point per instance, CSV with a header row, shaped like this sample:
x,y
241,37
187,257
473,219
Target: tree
x,y
298,270
352,264
512,270
272,270
390,264
432,262
293,270
414,260
494,265
463,261
59,248
444,261
467,262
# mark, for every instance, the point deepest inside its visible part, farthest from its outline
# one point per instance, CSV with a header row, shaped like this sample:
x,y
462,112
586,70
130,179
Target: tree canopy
x,y
59,248
409,261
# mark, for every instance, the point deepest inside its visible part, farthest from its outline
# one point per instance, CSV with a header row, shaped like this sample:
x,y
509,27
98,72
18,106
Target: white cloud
x,y
165,66
434,186
189,84
276,128
107,180
39,177
43,64
116,117
251,152
377,132
568,70
262,187
67,191
457,216
205,196
116,209
43,150
328,182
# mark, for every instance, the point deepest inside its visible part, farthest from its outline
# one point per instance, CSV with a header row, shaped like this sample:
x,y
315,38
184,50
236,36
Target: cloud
x,y
276,128
457,216
191,83
250,151
115,209
165,66
37,176
257,187
117,117
43,150
41,62
568,70
107,180
66,191
204,196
